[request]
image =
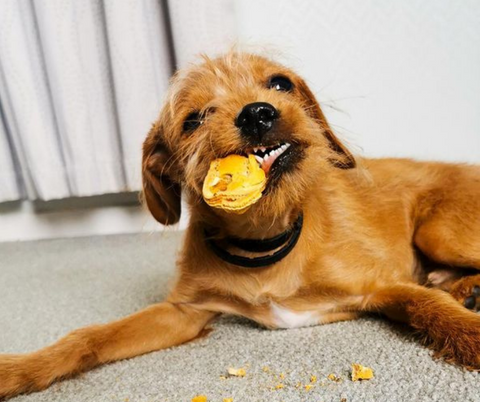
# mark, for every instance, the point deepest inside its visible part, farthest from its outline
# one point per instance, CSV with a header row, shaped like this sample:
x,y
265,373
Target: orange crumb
x,y
308,387
313,379
279,386
333,377
227,399
360,372
200,398
241,372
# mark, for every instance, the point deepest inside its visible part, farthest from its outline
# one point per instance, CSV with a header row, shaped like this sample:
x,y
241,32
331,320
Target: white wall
x,y
396,78
24,222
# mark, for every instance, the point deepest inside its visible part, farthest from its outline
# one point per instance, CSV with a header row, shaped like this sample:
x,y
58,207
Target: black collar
x,y
286,240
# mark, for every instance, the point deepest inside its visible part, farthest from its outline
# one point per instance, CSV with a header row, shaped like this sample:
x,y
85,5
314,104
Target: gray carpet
x,y
48,288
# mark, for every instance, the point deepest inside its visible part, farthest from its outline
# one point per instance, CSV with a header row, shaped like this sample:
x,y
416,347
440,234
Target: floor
x,y
48,288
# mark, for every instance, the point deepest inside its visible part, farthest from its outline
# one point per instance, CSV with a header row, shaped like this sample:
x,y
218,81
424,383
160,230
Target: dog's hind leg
x,y
467,291
157,327
462,284
451,240
454,242
451,330
449,234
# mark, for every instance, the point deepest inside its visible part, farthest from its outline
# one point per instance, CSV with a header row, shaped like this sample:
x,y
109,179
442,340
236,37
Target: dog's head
x,y
238,104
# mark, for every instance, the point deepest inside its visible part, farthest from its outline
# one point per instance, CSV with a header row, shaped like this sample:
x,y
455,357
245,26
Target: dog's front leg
x,y
448,327
157,327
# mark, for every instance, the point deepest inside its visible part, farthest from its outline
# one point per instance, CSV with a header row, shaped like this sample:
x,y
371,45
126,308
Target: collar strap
x,y
288,239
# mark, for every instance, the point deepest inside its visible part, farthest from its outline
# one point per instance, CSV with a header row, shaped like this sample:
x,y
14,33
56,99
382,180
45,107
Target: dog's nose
x,y
256,119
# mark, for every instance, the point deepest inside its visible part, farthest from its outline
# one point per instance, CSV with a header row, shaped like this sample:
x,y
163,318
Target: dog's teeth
x,y
264,155
258,158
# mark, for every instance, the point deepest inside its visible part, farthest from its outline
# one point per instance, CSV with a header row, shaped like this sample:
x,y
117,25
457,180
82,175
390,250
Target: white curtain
x,y
202,26
81,81
9,188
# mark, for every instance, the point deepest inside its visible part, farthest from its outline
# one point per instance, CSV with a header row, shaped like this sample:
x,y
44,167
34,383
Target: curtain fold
x,y
75,49
27,105
141,64
8,174
81,82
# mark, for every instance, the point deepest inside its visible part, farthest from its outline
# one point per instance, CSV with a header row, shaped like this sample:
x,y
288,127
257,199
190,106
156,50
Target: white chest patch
x,y
285,318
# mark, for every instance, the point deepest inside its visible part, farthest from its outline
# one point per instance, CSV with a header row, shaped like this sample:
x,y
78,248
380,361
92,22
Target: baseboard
x,y
111,214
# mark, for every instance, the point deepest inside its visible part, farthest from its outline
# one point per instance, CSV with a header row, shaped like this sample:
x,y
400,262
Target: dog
x,y
333,237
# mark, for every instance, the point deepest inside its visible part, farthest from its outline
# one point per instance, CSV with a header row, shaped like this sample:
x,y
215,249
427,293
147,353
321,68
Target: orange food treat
x,y
200,398
360,372
234,183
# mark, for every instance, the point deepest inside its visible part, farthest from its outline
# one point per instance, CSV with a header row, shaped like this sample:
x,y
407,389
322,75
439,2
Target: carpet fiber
x,y
48,288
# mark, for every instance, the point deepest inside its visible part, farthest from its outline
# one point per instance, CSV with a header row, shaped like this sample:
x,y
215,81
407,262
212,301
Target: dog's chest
x,y
286,318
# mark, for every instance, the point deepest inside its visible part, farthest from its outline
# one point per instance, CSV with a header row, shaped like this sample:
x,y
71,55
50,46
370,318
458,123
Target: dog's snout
x,y
256,119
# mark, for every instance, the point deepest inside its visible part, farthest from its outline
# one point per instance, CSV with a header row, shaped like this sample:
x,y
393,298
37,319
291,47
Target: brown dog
x,y
387,235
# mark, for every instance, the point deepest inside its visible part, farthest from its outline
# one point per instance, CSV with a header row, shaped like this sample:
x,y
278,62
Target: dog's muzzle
x,y
255,120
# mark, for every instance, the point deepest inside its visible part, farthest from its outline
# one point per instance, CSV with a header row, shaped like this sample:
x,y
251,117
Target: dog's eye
x,y
280,83
192,122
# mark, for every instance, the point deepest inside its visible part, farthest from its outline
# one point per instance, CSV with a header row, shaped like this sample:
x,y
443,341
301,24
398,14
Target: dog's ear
x,y
161,191
343,158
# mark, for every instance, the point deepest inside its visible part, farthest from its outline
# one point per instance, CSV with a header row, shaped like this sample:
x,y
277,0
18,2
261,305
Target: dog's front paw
x,y
18,375
460,345
467,291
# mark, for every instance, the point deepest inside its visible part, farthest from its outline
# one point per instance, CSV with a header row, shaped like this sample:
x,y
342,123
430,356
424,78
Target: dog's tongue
x,y
266,165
